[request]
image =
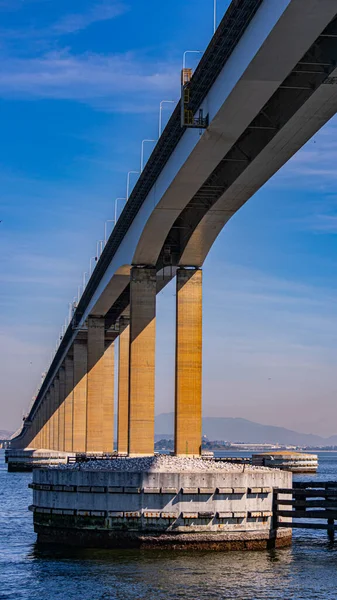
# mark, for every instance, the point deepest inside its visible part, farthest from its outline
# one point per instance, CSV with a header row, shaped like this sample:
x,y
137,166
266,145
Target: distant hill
x,y
242,430
5,435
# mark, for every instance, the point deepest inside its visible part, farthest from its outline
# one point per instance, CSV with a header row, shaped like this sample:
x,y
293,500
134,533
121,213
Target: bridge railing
x,y
309,503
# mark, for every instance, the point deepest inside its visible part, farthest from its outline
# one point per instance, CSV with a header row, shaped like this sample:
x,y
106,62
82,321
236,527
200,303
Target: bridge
x,y
264,86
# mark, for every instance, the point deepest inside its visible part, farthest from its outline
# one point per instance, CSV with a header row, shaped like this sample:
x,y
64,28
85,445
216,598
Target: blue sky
x,y
80,86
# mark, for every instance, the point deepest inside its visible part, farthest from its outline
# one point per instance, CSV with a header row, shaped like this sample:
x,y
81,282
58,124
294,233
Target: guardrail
x,y
310,503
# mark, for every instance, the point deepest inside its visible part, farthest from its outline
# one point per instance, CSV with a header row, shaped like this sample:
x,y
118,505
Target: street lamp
x,y
189,52
214,16
83,280
142,153
105,228
71,311
128,183
116,206
90,264
99,248
160,112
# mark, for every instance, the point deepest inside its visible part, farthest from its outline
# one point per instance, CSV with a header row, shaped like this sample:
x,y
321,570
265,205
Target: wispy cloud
x,y
102,11
315,163
87,78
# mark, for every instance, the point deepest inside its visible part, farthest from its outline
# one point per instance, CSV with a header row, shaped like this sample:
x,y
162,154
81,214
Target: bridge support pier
x,y
44,421
143,283
100,390
62,398
80,396
96,337
108,397
123,387
188,384
52,416
56,412
68,403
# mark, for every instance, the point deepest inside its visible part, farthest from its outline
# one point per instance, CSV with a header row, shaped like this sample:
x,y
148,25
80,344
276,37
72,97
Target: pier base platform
x,y
19,461
158,502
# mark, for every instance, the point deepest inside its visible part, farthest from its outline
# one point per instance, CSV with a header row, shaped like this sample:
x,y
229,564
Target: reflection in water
x,y
29,571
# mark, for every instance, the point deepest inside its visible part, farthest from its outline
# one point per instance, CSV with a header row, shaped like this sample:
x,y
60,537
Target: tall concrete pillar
x,y
56,412
62,378
188,380
43,431
68,404
38,429
142,361
80,396
48,446
96,347
51,416
108,396
123,387
30,436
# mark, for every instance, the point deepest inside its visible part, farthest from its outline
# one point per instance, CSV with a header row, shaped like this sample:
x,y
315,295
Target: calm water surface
x,y
307,570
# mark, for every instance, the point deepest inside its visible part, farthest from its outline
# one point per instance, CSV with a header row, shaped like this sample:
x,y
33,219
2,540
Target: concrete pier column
x,y
48,446
56,412
123,387
142,361
31,437
68,403
95,390
108,397
51,417
41,423
80,396
38,418
45,421
62,397
188,379
45,418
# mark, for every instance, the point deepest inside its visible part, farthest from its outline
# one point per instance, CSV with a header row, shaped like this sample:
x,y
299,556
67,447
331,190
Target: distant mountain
x,y
5,435
242,430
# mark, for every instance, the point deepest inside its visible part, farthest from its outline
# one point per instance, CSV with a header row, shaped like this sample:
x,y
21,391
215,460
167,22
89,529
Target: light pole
x,y
189,52
83,280
142,153
99,248
105,228
116,206
90,264
128,183
214,16
160,112
70,312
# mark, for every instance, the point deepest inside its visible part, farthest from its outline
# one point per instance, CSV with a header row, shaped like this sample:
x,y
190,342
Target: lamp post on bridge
x,y
190,52
99,248
128,183
90,264
142,153
214,15
116,206
105,228
160,113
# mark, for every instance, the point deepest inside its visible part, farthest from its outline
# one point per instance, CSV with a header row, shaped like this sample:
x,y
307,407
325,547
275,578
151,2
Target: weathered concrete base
x,y
170,503
78,533
20,461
